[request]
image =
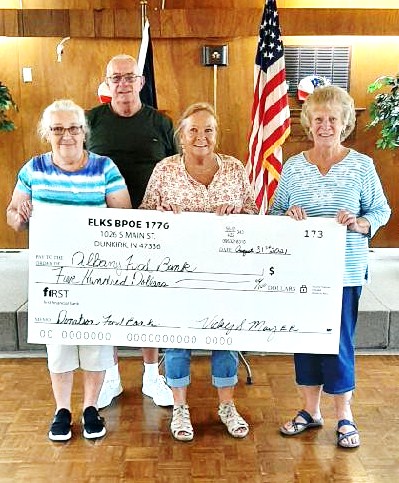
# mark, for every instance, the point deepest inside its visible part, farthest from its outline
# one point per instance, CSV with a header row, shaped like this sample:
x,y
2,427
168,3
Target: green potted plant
x,y
6,103
384,111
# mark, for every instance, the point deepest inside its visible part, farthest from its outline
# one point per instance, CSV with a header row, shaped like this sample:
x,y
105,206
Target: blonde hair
x,y
192,109
330,95
61,105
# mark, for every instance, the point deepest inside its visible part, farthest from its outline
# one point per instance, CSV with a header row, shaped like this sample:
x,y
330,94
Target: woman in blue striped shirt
x,y
331,180
69,175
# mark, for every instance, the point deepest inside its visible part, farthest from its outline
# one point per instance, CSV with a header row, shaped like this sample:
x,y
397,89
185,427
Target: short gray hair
x,y
61,105
115,58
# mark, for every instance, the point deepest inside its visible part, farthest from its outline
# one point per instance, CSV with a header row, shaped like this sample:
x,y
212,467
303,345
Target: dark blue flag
x,y
148,93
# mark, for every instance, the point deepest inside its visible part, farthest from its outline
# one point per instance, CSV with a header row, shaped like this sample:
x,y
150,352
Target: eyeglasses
x,y
129,78
60,131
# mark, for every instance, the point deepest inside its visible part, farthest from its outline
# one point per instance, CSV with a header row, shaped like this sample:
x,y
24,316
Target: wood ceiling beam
x,y
195,23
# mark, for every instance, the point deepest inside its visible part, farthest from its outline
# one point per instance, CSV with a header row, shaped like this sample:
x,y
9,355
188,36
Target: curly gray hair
x,y
330,95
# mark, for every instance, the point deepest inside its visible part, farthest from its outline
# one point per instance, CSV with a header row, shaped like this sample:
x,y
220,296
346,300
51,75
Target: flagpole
x,y
143,5
215,86
144,36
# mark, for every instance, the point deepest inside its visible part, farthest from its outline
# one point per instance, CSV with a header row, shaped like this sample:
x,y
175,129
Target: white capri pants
x,y
65,358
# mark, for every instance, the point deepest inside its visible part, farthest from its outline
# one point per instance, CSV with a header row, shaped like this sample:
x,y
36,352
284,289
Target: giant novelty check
x,y
194,280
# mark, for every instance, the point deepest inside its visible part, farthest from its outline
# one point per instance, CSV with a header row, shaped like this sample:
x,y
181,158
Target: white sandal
x,y
180,425
236,425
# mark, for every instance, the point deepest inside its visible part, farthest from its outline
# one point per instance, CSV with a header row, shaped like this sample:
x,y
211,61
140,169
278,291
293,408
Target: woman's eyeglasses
x,y
60,131
129,78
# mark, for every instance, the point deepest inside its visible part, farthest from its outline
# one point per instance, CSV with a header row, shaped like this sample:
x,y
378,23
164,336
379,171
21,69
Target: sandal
x,y
342,437
180,425
236,425
298,427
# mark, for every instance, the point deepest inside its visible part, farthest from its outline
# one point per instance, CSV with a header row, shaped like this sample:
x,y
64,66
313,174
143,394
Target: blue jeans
x,y
224,367
336,373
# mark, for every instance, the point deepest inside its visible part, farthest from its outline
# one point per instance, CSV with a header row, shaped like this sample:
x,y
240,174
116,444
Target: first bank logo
x,y
59,294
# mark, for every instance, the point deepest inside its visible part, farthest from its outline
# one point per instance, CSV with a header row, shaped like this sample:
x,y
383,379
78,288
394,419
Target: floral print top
x,y
171,182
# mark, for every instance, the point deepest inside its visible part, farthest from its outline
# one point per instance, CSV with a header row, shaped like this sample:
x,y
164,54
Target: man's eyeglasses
x,y
129,78
60,131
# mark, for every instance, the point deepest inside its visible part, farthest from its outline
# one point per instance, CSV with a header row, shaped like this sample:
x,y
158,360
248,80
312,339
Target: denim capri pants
x,y
224,367
336,373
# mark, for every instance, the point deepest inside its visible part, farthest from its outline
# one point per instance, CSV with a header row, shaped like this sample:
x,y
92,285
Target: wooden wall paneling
x,y
62,4
181,79
11,143
200,23
104,23
168,74
210,4
47,84
43,23
81,23
294,21
77,76
192,4
234,96
218,22
84,4
155,22
321,21
9,23
127,23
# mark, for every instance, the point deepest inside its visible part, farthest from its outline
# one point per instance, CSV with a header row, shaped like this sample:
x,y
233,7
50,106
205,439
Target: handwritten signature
x,y
220,323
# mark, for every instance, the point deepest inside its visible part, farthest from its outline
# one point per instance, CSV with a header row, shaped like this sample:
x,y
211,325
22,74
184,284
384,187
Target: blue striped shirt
x,y
47,183
353,185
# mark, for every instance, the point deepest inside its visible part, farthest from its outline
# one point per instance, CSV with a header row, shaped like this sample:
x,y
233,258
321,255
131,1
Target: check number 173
x,y
313,234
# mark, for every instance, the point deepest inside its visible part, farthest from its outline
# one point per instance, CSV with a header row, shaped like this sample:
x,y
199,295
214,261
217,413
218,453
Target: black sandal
x,y
342,436
299,427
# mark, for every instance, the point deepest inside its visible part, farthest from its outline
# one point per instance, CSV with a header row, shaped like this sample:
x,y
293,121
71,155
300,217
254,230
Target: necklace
x,y
82,160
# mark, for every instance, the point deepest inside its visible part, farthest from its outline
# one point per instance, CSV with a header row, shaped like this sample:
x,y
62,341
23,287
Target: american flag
x,y
270,111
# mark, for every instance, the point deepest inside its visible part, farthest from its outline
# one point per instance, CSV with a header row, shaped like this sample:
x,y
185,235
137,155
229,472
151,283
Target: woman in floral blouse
x,y
201,180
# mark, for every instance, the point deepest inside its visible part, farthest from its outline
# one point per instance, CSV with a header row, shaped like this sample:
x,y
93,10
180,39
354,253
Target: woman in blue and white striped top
x,y
69,175
331,180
